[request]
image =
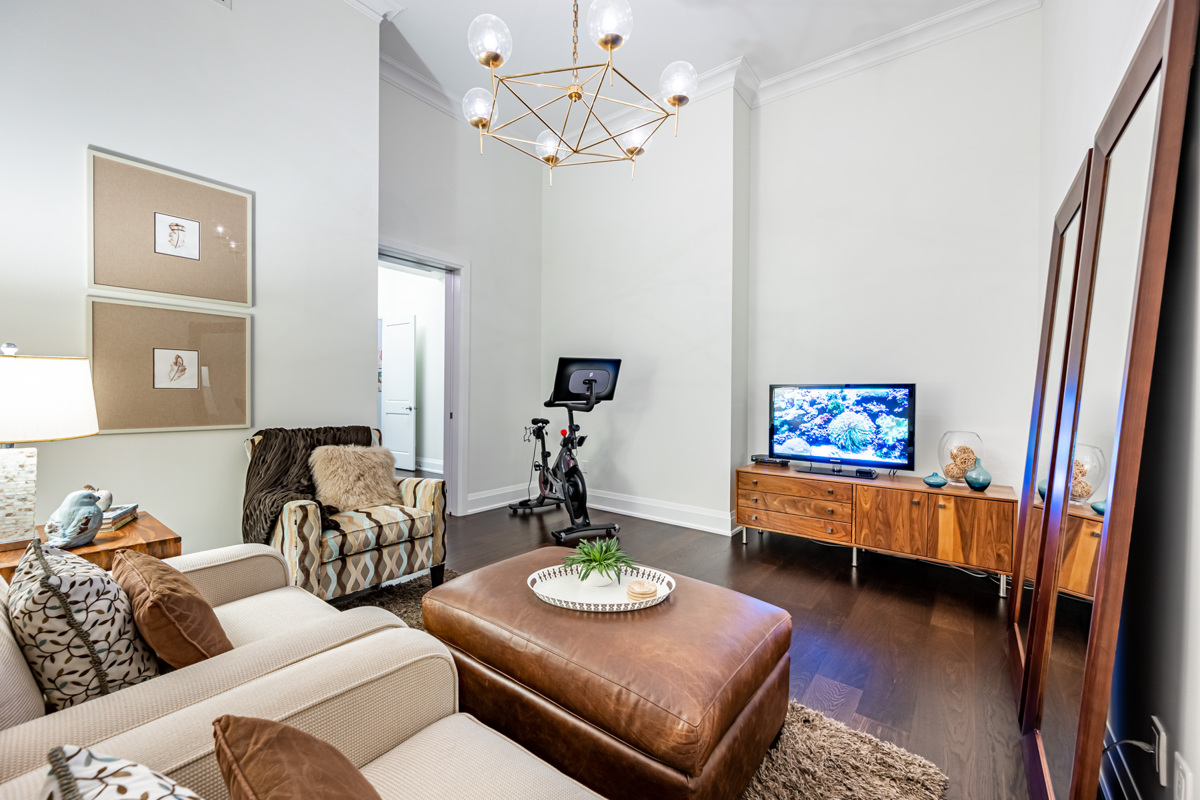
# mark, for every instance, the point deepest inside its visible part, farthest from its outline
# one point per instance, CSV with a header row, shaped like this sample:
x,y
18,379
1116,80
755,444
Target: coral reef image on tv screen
x,y
860,424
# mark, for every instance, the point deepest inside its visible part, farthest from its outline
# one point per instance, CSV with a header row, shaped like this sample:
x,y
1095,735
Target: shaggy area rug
x,y
814,757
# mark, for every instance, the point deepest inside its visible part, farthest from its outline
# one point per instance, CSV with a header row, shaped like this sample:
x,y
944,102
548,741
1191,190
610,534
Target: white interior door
x,y
399,425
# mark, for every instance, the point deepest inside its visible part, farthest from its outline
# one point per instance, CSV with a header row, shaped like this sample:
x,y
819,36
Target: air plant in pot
x,y
599,562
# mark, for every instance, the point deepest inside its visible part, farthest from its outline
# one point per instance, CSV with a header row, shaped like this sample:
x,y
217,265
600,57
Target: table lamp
x,y
42,399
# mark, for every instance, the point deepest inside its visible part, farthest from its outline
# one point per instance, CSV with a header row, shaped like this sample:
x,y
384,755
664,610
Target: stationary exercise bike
x,y
579,385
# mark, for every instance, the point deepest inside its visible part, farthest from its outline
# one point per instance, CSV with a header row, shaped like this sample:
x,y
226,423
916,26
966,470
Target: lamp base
x,y
18,495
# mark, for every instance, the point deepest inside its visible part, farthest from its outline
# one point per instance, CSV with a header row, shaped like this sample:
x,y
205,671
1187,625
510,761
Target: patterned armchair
x,y
374,545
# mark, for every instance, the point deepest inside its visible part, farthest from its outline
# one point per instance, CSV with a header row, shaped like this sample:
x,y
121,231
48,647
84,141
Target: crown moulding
x,y
738,74
378,10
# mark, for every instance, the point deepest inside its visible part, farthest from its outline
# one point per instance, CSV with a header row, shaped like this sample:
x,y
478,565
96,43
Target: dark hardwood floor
x,y
909,652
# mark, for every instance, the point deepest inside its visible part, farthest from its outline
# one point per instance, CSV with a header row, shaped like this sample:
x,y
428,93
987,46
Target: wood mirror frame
x,y
1166,50
1059,277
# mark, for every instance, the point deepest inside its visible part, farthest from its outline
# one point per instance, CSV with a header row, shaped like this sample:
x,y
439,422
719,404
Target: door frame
x,y
456,419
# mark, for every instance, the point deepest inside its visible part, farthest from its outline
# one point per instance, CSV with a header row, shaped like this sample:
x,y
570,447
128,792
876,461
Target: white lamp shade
x,y
43,399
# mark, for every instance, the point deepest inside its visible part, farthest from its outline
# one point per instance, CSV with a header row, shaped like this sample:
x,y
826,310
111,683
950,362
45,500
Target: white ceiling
x,y
776,37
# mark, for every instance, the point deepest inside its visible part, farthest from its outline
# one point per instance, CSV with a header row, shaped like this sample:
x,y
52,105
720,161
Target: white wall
x,y
643,270
404,294
439,197
893,238
221,94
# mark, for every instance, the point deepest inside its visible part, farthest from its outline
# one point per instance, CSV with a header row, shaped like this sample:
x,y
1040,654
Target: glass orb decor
x,y
637,141
609,23
550,148
957,452
1087,474
477,107
679,83
489,40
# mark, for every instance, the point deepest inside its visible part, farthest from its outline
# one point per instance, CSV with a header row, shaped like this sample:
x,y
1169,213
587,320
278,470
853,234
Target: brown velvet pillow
x,y
265,760
171,615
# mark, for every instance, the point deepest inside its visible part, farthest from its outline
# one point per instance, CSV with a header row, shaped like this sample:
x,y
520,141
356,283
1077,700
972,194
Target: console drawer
x,y
801,506
789,523
796,487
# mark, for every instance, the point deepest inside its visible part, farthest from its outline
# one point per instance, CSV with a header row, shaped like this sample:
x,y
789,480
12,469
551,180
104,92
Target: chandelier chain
x,y
575,43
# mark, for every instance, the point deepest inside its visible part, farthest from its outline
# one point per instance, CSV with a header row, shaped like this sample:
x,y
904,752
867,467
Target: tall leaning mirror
x,y
1051,366
1095,456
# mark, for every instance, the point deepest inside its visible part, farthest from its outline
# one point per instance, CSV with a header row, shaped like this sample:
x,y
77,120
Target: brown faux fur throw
x,y
279,474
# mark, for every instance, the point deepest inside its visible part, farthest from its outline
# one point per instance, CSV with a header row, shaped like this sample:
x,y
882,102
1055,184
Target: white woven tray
x,y
560,586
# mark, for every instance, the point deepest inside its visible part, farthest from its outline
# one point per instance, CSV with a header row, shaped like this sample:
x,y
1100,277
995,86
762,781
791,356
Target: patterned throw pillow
x,y
75,627
78,774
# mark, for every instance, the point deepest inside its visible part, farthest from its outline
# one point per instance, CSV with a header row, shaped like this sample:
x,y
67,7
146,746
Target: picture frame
x,y
157,231
159,367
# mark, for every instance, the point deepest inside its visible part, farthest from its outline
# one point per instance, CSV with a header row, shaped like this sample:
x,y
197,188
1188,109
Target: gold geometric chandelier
x,y
558,112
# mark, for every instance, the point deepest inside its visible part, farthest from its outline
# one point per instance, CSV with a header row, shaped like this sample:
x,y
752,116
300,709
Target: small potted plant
x,y
599,562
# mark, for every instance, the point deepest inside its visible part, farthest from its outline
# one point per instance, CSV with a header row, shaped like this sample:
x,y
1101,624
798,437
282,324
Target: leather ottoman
x,y
680,700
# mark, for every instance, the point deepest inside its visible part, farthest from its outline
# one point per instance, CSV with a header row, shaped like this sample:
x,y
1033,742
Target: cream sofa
x,y
383,694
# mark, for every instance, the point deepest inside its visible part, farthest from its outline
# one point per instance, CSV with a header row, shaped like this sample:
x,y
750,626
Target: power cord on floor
x,y
1149,748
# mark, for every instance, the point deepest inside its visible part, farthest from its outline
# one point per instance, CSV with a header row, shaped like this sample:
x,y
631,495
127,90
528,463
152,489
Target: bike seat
x,y
540,421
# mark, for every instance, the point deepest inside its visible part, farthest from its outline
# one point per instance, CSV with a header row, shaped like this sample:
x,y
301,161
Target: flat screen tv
x,y
862,425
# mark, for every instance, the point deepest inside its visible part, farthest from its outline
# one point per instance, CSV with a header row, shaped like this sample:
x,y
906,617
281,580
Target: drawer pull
x,y
1096,534
829,491
829,530
941,505
755,516
831,511
755,499
754,483
916,502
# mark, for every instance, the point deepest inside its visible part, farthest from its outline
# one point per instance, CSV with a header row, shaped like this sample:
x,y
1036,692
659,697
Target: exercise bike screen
x,y
570,377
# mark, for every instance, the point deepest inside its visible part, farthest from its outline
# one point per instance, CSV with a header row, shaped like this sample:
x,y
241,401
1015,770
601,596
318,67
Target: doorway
x,y
412,365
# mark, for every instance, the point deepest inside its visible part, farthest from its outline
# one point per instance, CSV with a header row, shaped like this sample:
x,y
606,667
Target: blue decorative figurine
x,y
935,480
1042,488
977,477
1100,506
76,522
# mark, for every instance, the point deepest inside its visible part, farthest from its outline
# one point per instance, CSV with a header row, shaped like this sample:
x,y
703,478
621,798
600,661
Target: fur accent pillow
x,y
75,627
350,477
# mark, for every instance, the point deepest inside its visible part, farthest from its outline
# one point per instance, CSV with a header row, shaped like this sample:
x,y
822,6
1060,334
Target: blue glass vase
x,y
935,480
977,477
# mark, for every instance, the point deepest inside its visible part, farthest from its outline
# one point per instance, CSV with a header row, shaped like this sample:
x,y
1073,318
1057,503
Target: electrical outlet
x,y
583,466
1160,750
1183,778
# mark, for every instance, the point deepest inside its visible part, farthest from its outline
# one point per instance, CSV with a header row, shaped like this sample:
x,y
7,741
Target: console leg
x,y
854,557
1004,586
743,536
437,574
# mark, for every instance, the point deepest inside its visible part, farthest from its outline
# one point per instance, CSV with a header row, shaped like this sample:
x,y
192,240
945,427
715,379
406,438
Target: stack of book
x,y
117,516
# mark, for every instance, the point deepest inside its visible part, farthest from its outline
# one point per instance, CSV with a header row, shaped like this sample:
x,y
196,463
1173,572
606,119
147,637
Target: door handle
x,y
1096,534
916,502
941,505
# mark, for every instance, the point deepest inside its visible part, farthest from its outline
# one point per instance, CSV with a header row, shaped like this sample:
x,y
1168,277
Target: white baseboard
x,y
431,465
496,498
685,516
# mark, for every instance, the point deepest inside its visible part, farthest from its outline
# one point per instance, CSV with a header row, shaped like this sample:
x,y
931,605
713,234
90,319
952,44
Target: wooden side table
x,y
145,535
